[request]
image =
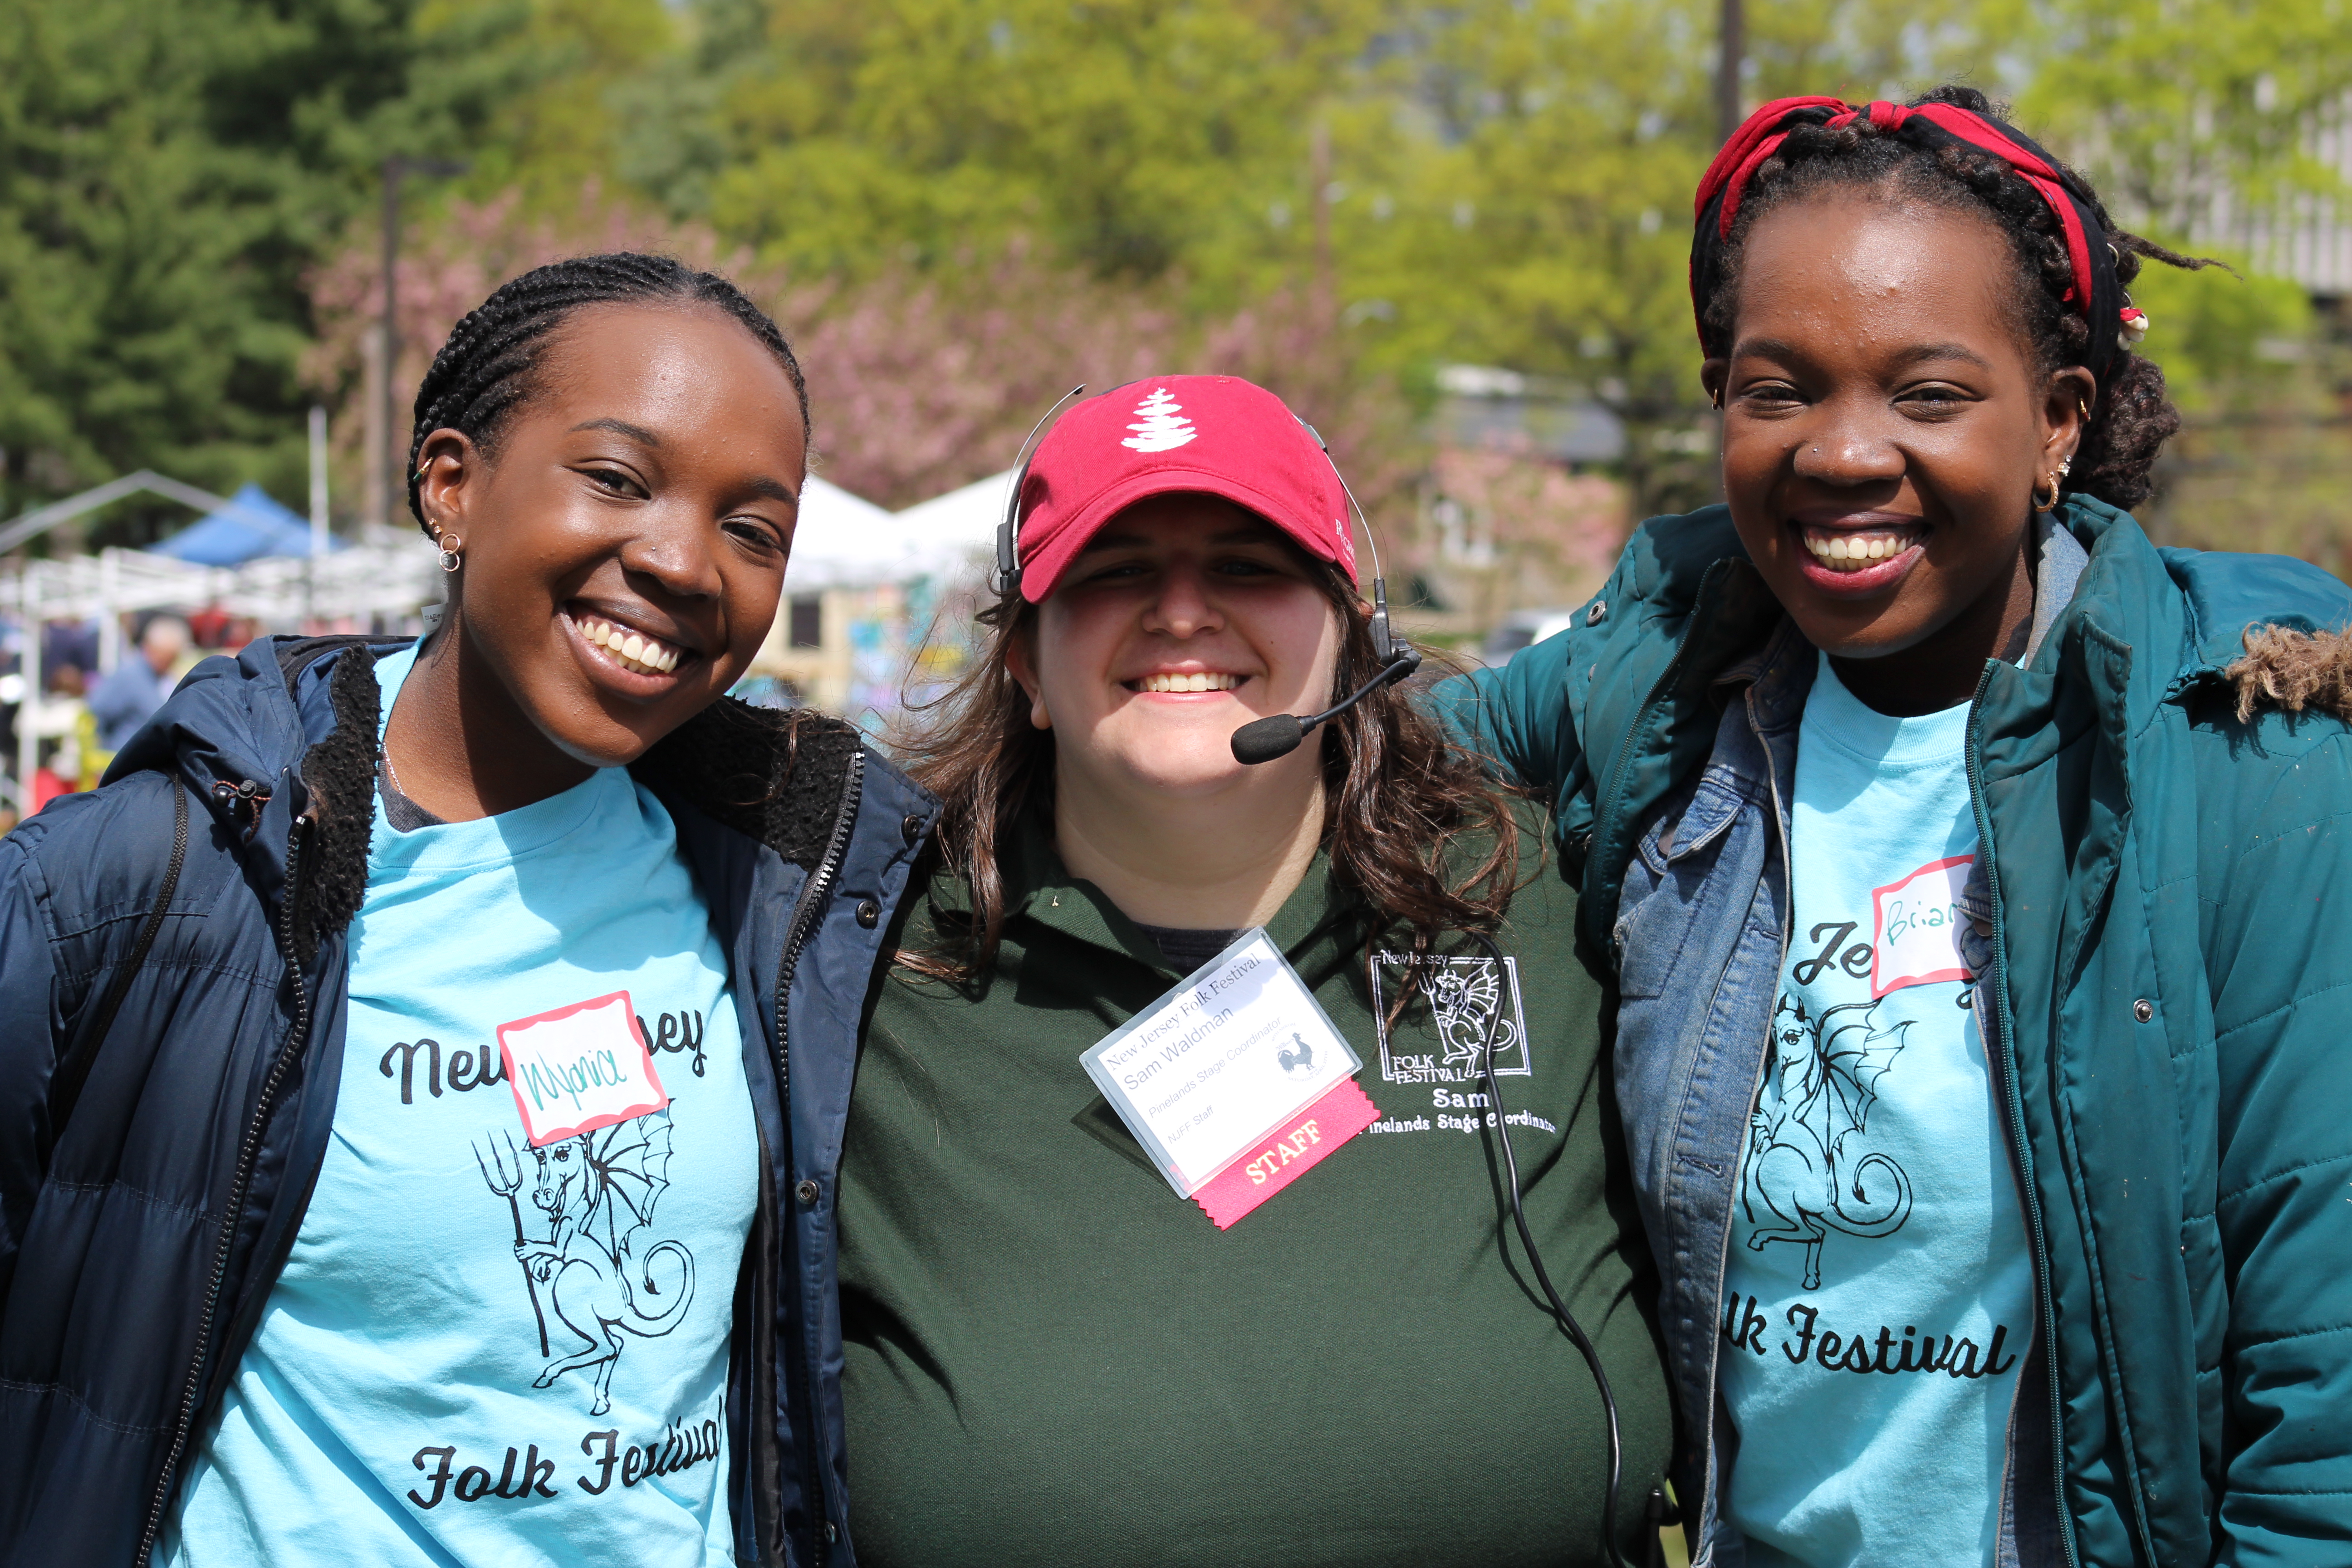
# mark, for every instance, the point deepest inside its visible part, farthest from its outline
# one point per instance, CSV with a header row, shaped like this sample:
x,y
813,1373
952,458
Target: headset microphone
x,y
1279,735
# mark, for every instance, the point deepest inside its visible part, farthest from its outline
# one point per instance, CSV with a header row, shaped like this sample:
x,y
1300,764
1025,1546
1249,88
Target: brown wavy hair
x,y
1398,793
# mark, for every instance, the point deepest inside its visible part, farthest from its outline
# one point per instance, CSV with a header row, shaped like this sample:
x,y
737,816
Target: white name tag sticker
x,y
580,1068
1918,927
1223,1080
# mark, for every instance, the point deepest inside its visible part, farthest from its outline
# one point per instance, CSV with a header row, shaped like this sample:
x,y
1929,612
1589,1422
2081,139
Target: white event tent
x,y
846,548
845,542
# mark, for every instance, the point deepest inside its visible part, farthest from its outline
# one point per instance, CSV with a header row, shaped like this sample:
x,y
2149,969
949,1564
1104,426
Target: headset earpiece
x,y
1008,534
1388,647
1008,572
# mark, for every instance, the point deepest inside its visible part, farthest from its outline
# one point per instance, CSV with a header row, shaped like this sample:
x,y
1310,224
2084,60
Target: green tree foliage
x,y
567,76
2192,114
2203,121
168,175
1341,194
1130,136
1542,218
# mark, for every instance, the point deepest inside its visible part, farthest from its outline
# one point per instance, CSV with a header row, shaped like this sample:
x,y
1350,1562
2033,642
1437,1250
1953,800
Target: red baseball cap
x,y
1216,434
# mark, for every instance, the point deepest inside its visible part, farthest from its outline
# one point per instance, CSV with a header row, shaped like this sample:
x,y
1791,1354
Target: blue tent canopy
x,y
251,525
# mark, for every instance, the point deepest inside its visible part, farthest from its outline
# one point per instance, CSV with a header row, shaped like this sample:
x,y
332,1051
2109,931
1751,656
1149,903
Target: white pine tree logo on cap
x,y
1160,425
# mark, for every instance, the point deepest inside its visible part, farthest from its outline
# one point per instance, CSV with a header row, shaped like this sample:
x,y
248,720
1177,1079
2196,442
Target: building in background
x,y
1519,515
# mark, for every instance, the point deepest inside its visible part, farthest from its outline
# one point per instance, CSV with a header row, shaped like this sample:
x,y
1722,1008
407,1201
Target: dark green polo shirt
x,y
1051,1359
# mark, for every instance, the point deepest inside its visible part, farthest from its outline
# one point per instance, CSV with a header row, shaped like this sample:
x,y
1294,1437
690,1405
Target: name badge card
x,y
1235,1082
580,1068
1918,920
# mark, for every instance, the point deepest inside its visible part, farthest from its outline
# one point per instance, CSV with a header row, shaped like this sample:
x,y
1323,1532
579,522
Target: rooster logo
x,y
1811,1165
597,1191
1300,1062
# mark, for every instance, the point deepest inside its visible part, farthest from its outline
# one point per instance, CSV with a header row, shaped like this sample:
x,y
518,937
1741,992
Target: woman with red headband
x,y
1229,1136
1975,875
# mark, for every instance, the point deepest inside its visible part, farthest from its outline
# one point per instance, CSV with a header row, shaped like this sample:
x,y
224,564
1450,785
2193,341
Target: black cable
x,y
1535,1260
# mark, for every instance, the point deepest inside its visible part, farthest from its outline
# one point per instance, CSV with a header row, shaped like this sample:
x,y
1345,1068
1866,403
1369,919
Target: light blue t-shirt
x,y
1879,1293
488,1348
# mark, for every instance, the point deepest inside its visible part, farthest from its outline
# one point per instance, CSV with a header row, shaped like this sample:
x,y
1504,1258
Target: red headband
x,y
2095,292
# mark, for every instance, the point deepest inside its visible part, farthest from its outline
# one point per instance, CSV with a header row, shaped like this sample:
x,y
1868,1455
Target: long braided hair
x,y
486,368
2130,419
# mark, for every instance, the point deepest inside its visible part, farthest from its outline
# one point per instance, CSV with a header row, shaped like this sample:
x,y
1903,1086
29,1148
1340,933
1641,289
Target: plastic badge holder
x,y
1220,1070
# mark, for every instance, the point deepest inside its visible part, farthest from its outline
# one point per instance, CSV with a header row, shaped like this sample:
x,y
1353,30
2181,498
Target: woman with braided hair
x,y
396,1159
1973,875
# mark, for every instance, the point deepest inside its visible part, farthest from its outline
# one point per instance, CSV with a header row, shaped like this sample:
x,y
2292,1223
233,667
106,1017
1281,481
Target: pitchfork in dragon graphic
x,y
598,1191
507,1184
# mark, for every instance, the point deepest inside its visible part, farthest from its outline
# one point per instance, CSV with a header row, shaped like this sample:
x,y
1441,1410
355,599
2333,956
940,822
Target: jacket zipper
x,y
248,1151
795,938
2006,1026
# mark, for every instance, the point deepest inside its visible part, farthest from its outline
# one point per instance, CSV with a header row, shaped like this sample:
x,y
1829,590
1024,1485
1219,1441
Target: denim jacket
x,y
2135,999
1698,965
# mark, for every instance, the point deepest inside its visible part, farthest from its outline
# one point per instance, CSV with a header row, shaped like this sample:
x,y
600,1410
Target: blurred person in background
x,y
1050,1356
396,1165
128,696
1976,881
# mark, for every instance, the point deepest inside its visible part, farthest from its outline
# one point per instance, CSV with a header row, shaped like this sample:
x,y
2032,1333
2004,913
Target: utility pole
x,y
1732,39
388,353
318,515
1734,44
390,490
318,481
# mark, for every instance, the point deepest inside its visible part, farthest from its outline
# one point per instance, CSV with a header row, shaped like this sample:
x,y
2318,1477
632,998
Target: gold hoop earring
x,y
2039,504
450,545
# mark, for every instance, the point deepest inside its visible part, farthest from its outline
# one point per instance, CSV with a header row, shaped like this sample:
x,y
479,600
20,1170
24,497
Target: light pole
x,y
391,477
317,513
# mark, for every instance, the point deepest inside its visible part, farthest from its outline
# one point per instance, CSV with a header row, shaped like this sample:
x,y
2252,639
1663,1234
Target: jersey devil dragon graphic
x,y
1465,1000
1810,1164
598,1191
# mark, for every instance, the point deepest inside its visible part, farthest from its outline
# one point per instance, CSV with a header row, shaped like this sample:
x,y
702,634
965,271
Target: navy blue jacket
x,y
150,1190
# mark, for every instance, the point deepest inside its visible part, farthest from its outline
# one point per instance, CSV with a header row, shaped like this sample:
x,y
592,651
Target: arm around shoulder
x,y
1522,717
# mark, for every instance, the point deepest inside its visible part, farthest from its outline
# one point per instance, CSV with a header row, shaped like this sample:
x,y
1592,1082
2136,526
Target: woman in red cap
x,y
1976,896
1244,1281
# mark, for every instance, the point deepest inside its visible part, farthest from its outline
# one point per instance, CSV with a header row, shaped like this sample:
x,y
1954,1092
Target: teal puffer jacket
x,y
2169,829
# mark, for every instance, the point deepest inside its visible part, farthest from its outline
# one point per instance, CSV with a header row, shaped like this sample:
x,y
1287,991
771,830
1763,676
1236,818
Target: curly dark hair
x,y
1401,794
485,370
2131,417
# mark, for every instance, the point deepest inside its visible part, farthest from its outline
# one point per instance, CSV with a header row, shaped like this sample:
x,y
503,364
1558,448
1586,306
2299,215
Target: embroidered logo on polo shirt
x,y
1469,1000
1161,424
